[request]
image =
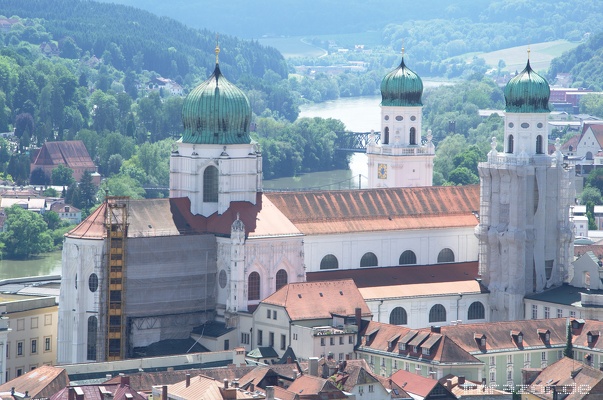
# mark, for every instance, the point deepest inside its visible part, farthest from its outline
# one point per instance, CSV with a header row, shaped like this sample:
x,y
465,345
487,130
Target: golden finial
x,y
217,51
402,47
528,52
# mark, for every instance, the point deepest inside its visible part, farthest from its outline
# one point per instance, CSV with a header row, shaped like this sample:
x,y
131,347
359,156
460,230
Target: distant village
x,y
403,290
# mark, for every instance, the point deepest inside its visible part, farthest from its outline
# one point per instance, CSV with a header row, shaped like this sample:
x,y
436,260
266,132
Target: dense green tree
x,y
25,233
62,176
39,177
52,219
595,179
87,192
591,194
462,176
121,185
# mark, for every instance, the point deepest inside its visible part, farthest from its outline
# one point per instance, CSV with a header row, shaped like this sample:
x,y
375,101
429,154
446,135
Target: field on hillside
x,y
541,55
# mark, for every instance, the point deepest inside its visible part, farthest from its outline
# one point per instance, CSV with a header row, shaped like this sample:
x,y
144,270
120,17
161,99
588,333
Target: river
x,y
46,264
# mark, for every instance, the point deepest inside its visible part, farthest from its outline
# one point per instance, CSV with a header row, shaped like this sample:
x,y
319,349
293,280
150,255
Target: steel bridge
x,y
355,142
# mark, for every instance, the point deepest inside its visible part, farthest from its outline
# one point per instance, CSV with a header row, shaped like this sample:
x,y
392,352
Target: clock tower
x,y
401,158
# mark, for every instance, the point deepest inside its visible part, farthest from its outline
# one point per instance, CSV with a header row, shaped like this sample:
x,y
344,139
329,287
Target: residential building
x,y
31,340
420,386
40,383
356,377
72,154
67,212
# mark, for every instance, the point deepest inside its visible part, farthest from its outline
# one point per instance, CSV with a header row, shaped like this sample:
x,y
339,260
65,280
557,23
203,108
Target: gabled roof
x,y
442,348
356,372
573,141
499,335
319,300
413,383
569,376
71,153
263,352
329,212
42,382
307,386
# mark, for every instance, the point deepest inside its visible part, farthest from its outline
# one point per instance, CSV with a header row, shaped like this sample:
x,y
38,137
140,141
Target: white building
x,y
525,235
401,159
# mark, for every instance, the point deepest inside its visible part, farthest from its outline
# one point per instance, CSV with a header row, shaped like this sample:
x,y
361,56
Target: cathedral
x,y
137,272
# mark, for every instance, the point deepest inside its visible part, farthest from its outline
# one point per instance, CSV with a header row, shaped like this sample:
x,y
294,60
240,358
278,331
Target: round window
x,y
539,125
511,125
412,118
525,125
386,117
222,279
399,118
93,282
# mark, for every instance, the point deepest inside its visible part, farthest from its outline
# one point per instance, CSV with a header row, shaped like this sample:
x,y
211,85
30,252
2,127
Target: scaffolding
x,y
116,225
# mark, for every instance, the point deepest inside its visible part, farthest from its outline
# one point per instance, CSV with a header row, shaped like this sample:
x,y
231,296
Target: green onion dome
x,y
527,92
401,87
216,112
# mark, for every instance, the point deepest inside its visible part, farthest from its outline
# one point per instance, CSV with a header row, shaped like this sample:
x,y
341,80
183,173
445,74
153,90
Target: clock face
x,y
382,171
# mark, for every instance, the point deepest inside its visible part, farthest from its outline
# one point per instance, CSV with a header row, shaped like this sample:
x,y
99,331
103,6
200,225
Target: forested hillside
x,y
135,39
584,63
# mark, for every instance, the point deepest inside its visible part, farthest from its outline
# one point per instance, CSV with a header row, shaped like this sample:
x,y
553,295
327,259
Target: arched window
x,y
386,136
93,282
539,145
445,256
413,136
589,155
91,340
368,260
407,258
253,286
329,262
398,316
437,313
510,144
476,311
210,184
281,278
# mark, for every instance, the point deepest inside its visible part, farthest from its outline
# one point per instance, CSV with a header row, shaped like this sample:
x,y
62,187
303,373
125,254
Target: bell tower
x,y
525,234
402,158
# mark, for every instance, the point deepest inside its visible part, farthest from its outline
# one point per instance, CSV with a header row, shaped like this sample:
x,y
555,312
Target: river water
x,y
47,264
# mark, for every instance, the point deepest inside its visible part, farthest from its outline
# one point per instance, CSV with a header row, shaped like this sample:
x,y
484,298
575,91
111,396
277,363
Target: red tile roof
x,y
311,387
318,300
326,212
42,382
569,376
413,383
72,153
402,275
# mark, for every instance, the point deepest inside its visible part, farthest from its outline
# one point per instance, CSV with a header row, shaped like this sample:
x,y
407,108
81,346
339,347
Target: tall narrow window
x,y
413,136
281,278
253,289
386,136
398,316
539,145
476,311
510,144
437,313
210,184
91,340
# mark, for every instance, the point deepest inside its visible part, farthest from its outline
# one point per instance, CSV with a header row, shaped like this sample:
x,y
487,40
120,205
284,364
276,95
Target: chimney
x,y
235,383
164,393
313,366
188,380
436,329
358,314
108,376
289,361
225,383
251,387
269,392
461,380
449,384
71,395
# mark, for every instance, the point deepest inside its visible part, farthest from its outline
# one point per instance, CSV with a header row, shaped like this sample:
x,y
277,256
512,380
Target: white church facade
x,y
140,272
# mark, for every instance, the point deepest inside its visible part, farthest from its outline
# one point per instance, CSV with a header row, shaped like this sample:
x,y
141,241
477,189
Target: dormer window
x,y
589,338
520,338
545,335
480,338
401,346
592,336
415,349
482,342
517,337
425,351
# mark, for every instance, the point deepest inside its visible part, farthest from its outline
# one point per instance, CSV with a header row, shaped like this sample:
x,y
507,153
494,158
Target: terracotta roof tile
x,y
413,383
568,375
71,153
307,386
316,300
326,212
42,382
423,289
